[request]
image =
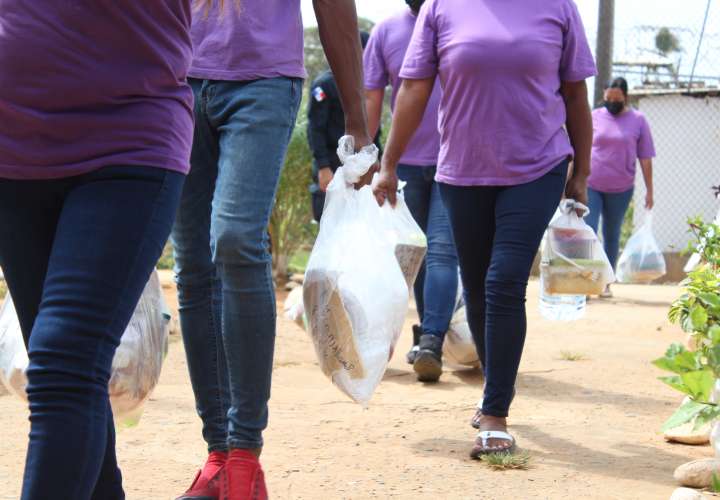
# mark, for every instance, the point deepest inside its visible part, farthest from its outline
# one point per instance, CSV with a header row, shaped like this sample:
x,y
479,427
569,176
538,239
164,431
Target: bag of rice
x,y
355,295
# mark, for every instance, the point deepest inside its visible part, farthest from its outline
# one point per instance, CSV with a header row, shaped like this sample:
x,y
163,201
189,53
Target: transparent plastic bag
x,y
573,259
354,293
136,366
409,240
641,261
294,308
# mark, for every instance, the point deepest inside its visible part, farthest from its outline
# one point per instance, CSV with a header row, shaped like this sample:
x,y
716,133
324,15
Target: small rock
x,y
698,473
687,494
685,434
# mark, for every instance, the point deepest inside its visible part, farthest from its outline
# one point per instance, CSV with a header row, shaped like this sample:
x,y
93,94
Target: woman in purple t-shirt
x,y
513,77
621,137
95,134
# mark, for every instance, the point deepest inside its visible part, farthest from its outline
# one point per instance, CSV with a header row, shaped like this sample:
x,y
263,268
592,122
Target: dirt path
x,y
591,426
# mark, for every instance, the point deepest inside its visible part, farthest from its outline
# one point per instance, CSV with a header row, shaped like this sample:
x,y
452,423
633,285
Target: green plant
x,y
571,356
507,460
167,261
3,289
697,311
715,484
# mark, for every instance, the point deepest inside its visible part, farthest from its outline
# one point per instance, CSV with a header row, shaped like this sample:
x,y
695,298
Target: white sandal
x,y
484,449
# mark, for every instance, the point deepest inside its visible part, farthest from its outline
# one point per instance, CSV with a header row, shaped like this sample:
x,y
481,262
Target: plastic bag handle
x,y
568,205
355,164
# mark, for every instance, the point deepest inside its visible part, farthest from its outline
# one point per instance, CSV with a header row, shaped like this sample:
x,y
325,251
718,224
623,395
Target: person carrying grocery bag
x,y
513,76
621,137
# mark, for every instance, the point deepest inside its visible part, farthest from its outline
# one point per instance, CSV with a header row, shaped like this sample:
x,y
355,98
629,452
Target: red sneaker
x,y
206,485
242,477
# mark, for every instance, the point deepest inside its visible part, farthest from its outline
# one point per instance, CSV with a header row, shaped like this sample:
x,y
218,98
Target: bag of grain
x,y
355,295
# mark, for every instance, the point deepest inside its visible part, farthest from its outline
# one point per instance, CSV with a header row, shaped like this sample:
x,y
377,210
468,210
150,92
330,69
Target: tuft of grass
x,y
3,289
507,460
572,356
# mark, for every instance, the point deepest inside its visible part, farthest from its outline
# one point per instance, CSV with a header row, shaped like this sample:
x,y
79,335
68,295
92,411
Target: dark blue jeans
x,y
437,283
612,207
76,254
497,232
223,267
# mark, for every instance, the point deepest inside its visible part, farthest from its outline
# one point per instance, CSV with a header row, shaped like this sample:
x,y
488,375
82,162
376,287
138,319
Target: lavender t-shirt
x,y
91,83
500,63
260,39
383,59
618,142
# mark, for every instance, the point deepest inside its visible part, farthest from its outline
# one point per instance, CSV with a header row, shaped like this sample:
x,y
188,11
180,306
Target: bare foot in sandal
x,y
493,437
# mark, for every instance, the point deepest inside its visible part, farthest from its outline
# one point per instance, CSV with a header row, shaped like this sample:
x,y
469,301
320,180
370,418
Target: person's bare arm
x,y
338,27
580,129
374,103
410,106
647,170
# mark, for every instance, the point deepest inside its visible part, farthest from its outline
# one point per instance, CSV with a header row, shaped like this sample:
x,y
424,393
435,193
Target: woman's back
x,y
87,83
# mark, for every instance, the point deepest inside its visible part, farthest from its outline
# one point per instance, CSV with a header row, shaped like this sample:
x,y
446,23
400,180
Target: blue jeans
x,y
222,263
612,207
437,283
497,233
76,254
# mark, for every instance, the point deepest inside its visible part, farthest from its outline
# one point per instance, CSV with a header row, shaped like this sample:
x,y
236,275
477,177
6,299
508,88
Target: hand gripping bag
x,y
641,261
136,365
355,295
573,259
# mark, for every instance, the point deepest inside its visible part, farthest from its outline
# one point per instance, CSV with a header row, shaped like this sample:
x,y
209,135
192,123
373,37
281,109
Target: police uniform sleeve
x,y
318,116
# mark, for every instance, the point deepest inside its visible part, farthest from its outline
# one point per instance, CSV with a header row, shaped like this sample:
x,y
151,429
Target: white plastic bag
x,y
355,294
136,366
573,259
294,308
459,345
641,261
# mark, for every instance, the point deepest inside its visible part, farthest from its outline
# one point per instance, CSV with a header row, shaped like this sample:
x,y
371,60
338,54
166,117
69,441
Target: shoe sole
x,y
427,367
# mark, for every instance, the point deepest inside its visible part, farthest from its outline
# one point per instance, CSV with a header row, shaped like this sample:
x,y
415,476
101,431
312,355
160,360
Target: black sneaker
x,y
412,353
428,360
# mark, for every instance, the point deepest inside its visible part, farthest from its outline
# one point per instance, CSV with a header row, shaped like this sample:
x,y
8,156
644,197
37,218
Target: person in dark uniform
x,y
326,125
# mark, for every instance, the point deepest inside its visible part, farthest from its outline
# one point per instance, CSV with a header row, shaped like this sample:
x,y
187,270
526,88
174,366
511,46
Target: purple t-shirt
x,y
618,142
261,39
91,83
383,59
500,63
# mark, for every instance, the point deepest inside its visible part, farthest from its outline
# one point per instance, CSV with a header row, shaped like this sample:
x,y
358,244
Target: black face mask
x,y
614,107
415,4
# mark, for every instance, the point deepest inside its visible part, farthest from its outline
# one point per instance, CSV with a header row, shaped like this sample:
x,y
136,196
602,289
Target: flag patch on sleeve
x,y
319,94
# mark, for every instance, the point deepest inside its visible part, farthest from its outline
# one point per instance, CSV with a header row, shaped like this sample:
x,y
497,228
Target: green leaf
x,y
708,414
676,383
700,383
678,360
715,485
683,415
710,299
714,334
699,317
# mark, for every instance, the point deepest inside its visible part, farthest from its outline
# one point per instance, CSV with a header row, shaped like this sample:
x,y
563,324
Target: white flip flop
x,y
484,436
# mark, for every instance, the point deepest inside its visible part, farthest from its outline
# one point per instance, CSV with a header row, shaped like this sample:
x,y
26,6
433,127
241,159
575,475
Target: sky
x,y
684,16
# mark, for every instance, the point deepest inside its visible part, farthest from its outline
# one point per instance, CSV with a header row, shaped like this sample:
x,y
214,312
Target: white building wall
x,y
686,131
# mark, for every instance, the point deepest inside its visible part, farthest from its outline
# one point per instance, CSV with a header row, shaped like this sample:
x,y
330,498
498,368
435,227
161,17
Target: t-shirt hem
x,y
417,74
578,76
613,190
418,162
246,74
15,172
494,181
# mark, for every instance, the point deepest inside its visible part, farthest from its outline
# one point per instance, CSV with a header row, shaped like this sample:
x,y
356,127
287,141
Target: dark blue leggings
x,y
76,254
612,208
497,232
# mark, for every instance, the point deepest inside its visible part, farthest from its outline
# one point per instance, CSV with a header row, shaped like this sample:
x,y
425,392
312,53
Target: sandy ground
x,y
590,426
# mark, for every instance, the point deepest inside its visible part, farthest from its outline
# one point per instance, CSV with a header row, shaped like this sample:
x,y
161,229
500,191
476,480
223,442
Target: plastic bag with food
x,y
573,259
135,368
641,261
459,345
355,295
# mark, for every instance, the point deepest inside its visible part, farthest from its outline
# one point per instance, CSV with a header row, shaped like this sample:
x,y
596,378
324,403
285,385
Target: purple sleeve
x,y
576,63
645,146
376,75
421,59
